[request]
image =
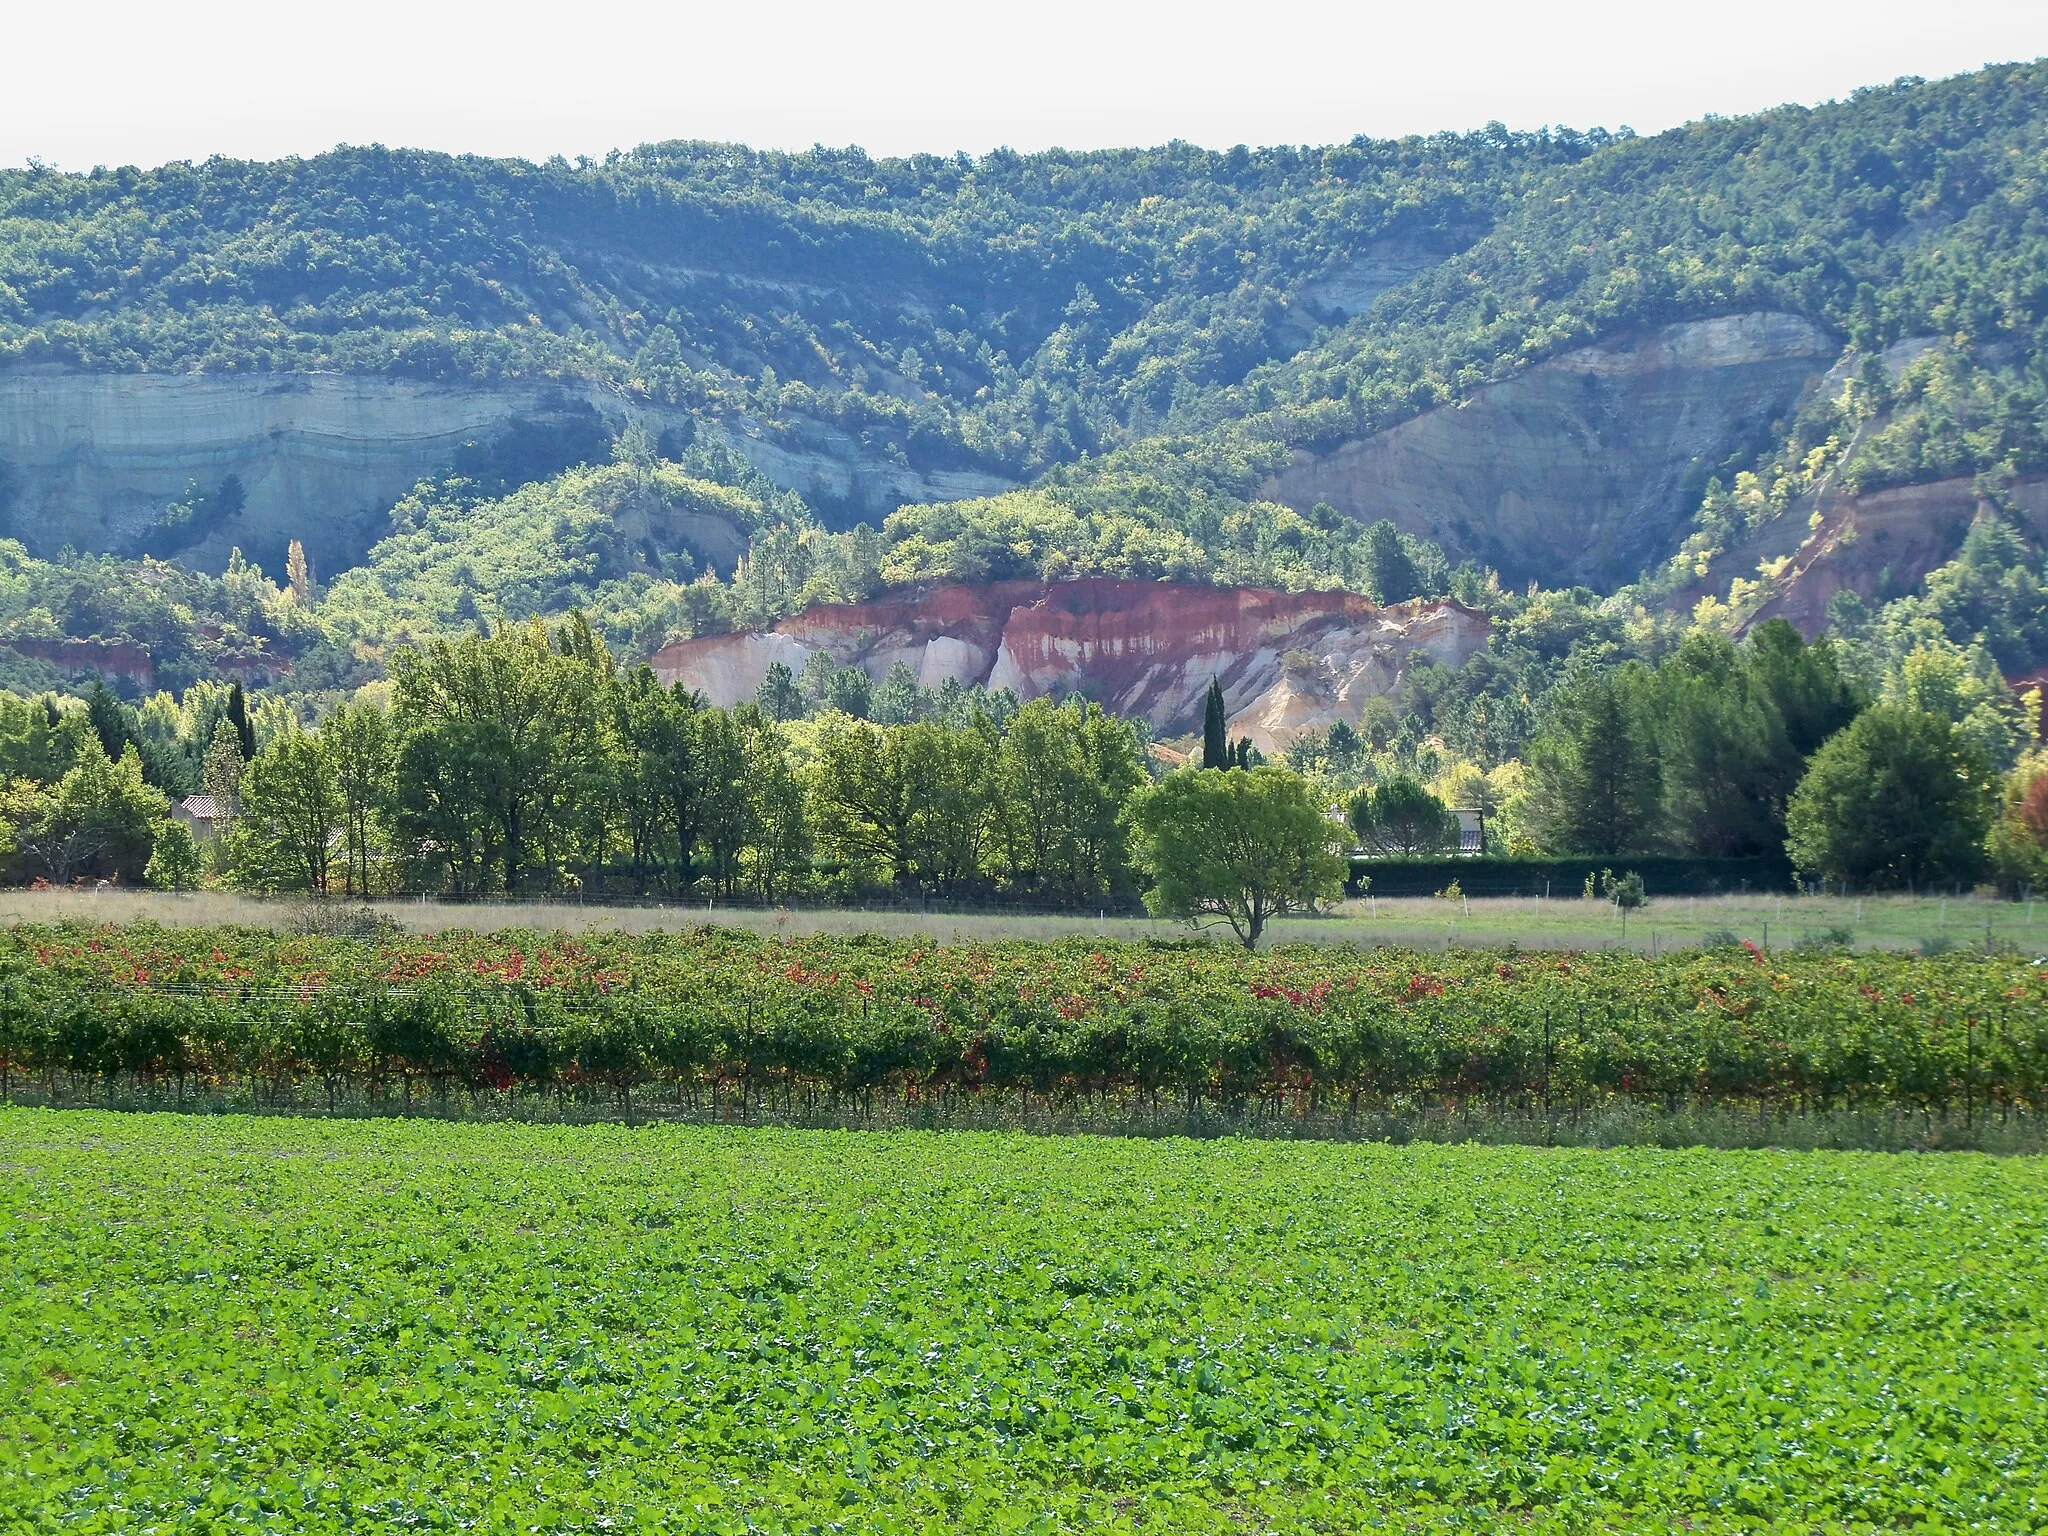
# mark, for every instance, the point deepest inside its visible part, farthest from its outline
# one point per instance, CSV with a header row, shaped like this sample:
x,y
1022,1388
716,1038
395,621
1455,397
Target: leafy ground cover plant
x,y
223,1323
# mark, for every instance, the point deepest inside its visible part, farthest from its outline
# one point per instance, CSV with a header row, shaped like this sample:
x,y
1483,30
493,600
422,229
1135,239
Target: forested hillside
x,y
1014,311
1020,310
1910,210
1787,365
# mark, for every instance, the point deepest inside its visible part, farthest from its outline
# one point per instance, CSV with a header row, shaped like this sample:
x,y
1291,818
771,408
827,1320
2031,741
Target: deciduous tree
x,y
359,745
97,819
1900,798
1245,847
292,807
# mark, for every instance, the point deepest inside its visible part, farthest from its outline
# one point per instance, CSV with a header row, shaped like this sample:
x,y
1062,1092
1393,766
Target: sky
x,y
123,82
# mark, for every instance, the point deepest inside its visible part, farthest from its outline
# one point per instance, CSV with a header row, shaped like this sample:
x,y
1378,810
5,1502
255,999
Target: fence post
x,y
1969,1070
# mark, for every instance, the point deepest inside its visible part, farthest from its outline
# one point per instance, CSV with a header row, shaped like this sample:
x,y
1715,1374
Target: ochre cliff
x,y
85,659
1584,468
1878,545
104,658
94,458
1287,661
91,460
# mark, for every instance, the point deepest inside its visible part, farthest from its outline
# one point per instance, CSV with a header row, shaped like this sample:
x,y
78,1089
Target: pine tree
x,y
778,695
1215,743
109,719
1390,574
1594,778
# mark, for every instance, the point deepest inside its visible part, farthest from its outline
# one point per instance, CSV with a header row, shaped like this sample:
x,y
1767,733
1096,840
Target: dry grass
x,y
1894,922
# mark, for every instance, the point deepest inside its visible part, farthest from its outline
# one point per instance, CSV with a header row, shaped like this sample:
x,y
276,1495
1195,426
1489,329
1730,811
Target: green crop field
x,y
223,1323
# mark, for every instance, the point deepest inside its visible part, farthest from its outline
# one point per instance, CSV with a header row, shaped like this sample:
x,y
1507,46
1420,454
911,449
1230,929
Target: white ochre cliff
x,y
1584,468
92,459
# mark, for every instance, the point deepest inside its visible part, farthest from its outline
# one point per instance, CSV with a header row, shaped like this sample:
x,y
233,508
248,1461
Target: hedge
x,y
1663,875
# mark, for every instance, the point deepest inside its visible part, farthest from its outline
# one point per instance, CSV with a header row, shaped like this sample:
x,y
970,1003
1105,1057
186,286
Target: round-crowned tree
x,y
1899,798
1399,816
1245,846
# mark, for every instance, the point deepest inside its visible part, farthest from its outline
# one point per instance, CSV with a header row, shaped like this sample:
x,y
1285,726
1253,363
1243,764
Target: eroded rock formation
x,y
1287,661
1876,545
92,460
1585,468
131,661
95,458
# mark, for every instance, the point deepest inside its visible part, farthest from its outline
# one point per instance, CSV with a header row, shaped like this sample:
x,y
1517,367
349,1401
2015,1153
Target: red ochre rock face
x,y
1288,661
110,658
131,660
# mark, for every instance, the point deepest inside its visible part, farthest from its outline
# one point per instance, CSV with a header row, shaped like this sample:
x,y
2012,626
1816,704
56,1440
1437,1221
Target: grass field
x,y
1677,922
216,1324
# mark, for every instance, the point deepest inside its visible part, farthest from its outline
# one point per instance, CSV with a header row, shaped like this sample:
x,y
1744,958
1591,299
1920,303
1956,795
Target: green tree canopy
x,y
291,808
1215,730
174,861
357,740
1067,772
1389,572
1245,847
1399,816
497,739
1594,777
97,820
1733,728
1900,798
2019,841
778,695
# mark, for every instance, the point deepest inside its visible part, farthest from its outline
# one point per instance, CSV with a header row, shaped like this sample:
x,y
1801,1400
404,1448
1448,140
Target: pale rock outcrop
x,y
1378,268
92,459
834,471
1879,544
1287,661
732,671
1582,468
1354,285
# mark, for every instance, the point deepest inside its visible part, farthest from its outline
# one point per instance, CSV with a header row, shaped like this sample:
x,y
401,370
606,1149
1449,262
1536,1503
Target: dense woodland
x,y
528,762
1019,311
1014,311
1140,335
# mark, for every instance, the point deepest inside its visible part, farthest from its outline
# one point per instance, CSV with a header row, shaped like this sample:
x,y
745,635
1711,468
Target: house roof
x,y
199,807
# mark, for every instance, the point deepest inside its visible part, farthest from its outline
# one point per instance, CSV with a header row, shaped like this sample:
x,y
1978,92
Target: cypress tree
x,y
109,719
1215,745
238,716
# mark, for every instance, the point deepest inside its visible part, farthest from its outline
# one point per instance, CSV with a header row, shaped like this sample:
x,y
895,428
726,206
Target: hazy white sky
x,y
122,82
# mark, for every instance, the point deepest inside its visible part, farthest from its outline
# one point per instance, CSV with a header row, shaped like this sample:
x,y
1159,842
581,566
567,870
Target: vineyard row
x,y
845,1019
